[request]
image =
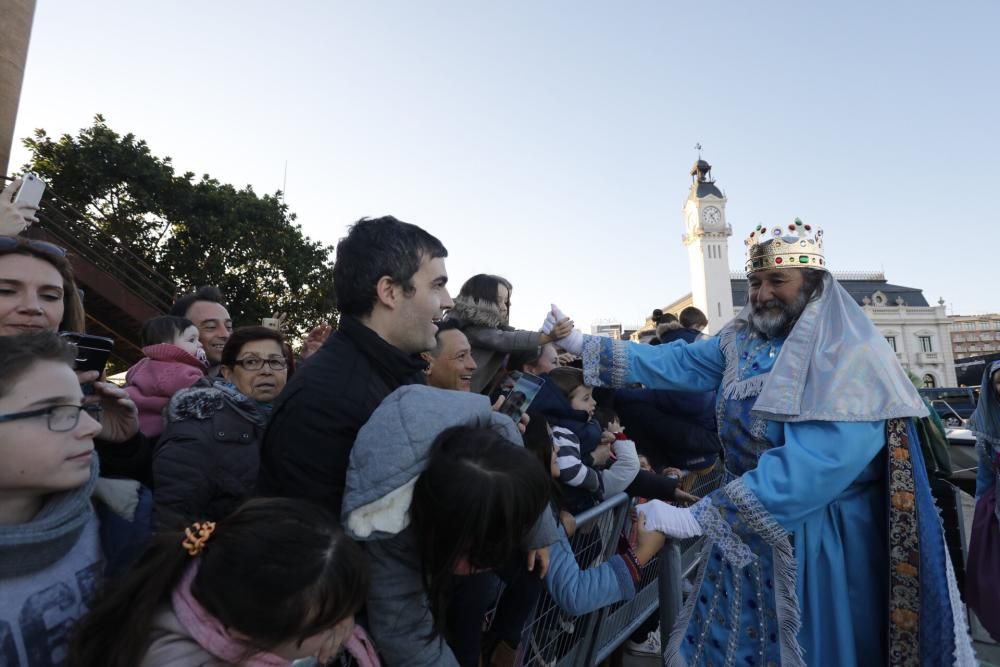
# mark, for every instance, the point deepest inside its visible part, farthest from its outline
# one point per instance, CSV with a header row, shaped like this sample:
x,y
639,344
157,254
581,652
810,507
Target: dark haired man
x,y
390,282
205,308
450,363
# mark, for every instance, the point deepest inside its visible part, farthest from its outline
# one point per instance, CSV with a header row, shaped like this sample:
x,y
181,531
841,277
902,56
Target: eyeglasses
x,y
11,242
62,418
256,363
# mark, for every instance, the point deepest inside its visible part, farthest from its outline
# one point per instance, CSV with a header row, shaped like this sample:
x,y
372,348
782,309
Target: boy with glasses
x,y
56,545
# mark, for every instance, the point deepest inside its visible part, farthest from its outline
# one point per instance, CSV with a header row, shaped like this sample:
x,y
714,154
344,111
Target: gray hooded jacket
x,y
389,454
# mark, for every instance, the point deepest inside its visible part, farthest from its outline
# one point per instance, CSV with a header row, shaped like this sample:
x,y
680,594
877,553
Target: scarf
x,y
833,366
212,636
985,420
254,411
29,547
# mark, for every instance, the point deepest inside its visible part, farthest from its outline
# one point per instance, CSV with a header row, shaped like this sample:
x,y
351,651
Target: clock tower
x,y
706,235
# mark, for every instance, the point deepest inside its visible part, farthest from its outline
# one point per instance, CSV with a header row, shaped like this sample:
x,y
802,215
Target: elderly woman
x,y
207,459
483,307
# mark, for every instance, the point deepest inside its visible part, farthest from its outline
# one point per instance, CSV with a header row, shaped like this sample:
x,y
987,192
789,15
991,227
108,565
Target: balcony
x,y
929,358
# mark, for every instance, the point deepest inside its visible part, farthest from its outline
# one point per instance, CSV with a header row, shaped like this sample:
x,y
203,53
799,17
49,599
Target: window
x,y
929,381
892,342
958,338
925,344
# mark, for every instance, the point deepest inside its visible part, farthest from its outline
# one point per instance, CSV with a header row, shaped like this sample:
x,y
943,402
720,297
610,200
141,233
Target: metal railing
x,y
553,639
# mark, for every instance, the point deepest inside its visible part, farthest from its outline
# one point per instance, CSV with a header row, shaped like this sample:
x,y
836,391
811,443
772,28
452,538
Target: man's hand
x,y
317,336
119,416
601,454
673,521
539,557
14,216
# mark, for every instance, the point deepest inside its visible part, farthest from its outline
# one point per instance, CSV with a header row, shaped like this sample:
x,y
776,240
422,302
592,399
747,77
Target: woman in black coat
x,y
207,459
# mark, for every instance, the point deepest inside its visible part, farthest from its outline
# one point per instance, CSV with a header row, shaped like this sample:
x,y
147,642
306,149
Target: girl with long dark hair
x,y
275,581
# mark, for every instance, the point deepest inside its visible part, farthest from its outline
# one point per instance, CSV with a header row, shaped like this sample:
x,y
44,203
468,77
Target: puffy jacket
x,y
207,460
490,338
317,416
579,592
389,454
154,380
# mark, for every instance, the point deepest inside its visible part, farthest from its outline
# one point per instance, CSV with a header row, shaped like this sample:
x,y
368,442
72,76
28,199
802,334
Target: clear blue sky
x,y
551,141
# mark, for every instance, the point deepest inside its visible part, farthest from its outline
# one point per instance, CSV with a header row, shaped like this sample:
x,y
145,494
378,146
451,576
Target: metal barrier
x,y
553,639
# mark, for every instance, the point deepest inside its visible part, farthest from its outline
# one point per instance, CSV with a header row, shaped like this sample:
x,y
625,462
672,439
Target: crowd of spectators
x,y
232,506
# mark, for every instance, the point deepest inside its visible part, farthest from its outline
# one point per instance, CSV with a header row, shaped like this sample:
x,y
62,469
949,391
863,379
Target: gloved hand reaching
x,y
572,340
673,521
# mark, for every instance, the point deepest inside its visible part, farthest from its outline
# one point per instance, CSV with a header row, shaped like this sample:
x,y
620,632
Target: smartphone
x,y
30,191
517,400
92,352
271,323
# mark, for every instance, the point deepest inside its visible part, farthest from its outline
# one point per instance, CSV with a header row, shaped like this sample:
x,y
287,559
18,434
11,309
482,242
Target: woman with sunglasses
x,y
206,461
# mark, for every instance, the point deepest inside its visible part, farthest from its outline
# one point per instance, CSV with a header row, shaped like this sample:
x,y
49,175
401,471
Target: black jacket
x,y
317,417
207,459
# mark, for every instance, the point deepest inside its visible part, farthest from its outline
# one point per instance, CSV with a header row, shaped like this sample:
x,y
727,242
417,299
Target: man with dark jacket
x,y
389,279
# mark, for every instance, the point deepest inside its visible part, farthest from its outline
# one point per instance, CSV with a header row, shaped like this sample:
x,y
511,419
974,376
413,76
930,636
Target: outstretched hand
x,y
317,336
14,216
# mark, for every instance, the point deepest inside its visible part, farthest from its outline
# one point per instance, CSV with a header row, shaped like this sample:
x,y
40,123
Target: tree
x,y
195,232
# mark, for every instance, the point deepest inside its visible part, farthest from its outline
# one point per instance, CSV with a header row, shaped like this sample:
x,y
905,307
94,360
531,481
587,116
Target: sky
x,y
550,142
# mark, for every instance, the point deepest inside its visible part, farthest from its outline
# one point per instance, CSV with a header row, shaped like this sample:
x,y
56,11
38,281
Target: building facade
x,y
975,335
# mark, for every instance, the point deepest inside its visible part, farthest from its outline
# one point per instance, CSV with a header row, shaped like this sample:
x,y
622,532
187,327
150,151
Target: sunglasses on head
x,y
11,242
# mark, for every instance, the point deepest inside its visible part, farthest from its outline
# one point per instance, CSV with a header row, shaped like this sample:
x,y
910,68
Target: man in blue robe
x,y
823,547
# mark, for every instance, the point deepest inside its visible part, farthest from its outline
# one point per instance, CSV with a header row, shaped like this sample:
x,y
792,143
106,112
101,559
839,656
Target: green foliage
x,y
195,232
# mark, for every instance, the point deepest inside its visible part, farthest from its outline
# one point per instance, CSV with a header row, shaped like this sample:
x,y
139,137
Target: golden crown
x,y
797,247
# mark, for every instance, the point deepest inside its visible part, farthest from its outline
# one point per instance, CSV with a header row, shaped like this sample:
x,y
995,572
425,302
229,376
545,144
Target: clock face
x,y
712,215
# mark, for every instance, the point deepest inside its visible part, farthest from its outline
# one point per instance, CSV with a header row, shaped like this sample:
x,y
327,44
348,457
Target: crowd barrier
x,y
552,638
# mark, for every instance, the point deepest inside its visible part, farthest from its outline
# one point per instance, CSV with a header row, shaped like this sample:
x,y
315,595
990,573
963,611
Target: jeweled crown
x,y
798,246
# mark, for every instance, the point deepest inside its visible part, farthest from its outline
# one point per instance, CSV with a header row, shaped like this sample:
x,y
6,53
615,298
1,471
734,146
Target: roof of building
x,y
701,189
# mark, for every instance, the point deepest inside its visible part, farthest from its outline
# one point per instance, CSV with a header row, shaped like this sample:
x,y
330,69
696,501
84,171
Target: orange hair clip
x,y
196,537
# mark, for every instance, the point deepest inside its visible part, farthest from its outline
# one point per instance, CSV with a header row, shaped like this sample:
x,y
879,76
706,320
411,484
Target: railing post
x,y
671,584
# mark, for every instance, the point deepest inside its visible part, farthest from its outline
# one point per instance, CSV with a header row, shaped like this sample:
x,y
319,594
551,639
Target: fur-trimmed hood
x,y
208,397
477,313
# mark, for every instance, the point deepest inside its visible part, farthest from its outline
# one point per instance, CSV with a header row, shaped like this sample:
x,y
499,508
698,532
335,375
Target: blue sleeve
x,y
985,476
579,592
679,366
817,463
